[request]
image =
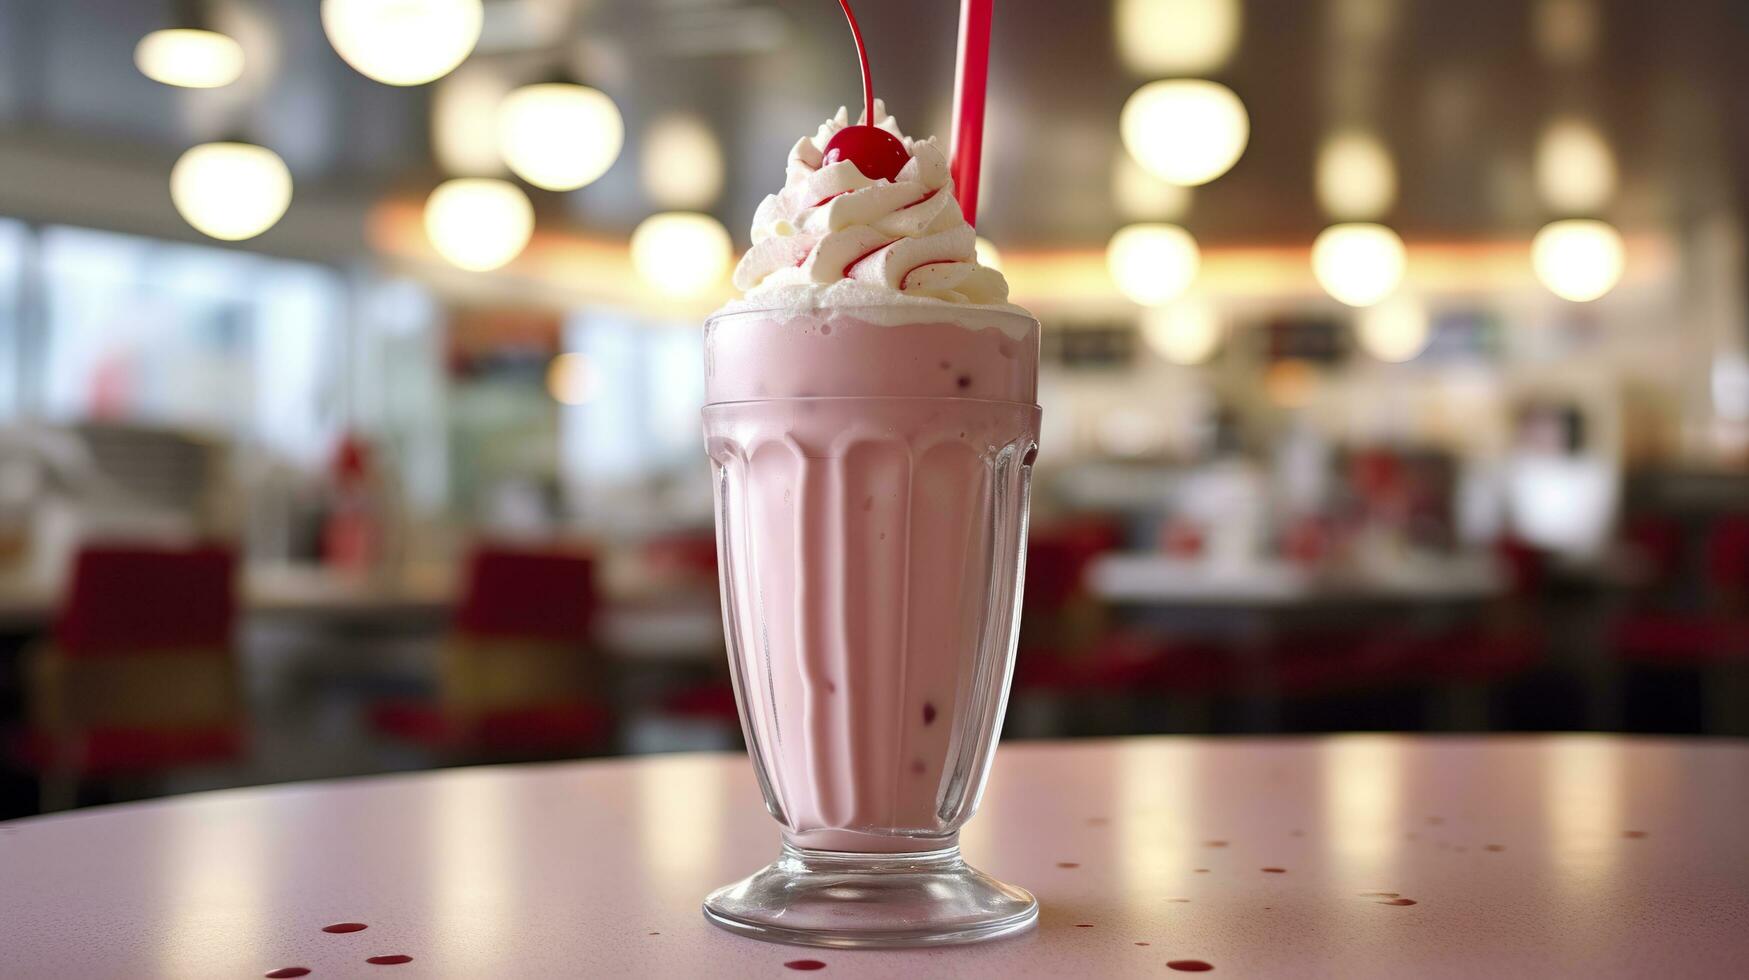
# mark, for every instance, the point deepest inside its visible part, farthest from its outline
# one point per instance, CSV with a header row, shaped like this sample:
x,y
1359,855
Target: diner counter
x,y
1152,578
1345,856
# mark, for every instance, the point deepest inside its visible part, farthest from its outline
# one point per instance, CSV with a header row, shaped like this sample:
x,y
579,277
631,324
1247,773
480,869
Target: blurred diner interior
x,y
1396,368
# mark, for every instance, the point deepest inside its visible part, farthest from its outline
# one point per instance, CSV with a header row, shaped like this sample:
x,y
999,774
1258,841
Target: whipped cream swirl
x,y
831,225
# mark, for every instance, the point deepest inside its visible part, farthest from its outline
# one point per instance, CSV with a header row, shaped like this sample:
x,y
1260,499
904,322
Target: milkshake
x,y
871,421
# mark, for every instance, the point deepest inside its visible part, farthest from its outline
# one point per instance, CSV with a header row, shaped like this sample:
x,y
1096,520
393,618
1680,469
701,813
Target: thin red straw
x,y
868,118
971,80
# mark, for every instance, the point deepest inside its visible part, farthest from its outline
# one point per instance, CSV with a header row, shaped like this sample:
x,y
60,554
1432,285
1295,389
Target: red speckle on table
x,y
917,767
1098,821
1380,894
1396,901
1143,944
1202,871
963,381
1083,925
1633,834
655,934
831,687
805,965
393,959
1190,966
1178,900
1214,843
928,713
288,971
1274,871
1068,864
1494,847
346,927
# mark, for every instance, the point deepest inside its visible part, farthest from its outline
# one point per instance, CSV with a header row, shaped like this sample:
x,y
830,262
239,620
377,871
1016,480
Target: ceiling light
x,y
1358,264
1356,179
1152,263
682,254
1396,330
1578,259
1141,196
1184,333
478,223
1176,37
1575,169
189,57
464,121
230,191
681,163
403,42
1186,131
559,135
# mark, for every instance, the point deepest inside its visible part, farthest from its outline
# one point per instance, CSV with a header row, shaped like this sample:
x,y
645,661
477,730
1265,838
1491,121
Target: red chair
x,y
519,673
139,677
1057,556
1314,663
1717,633
1656,544
1688,661
685,557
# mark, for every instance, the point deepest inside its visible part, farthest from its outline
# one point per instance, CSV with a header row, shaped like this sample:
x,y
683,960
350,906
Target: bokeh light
x,y
189,58
1186,332
1575,169
230,191
478,223
1565,32
1186,131
1355,177
464,121
681,163
1395,330
1291,383
1358,264
403,42
559,136
988,256
571,379
1578,259
1141,196
1152,263
1176,37
682,254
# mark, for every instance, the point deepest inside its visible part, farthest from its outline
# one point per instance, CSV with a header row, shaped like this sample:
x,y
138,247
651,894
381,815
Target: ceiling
x,y
1459,92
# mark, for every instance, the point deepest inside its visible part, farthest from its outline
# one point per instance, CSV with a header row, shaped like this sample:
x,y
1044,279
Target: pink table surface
x,y
1589,856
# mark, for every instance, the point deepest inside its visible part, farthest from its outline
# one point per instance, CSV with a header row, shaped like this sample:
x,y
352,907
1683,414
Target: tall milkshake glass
x,y
871,475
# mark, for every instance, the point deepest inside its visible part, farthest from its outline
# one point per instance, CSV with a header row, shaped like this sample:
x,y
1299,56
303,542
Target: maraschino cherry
x,y
876,152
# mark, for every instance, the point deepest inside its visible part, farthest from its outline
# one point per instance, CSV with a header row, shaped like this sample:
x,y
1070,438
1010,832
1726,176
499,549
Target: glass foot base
x,y
831,898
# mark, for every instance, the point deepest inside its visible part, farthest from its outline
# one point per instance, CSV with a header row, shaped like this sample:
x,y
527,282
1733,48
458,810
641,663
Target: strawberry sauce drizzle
x,y
905,280
858,260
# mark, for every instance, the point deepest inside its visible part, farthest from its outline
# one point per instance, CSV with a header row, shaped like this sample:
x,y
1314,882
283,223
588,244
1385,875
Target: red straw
x,y
868,118
971,80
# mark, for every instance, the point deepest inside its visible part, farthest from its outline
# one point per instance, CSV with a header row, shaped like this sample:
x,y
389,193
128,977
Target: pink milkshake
x,y
871,419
